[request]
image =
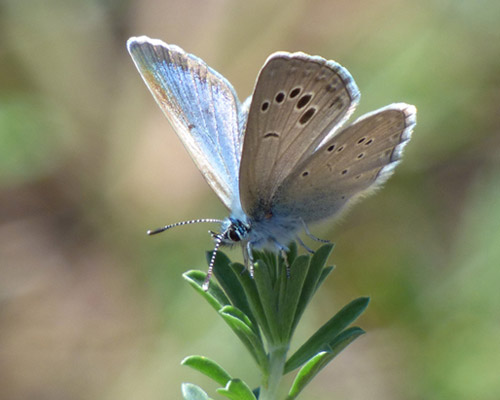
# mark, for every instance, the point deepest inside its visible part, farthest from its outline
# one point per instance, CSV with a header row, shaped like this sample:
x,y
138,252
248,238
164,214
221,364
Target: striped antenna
x,y
193,221
218,241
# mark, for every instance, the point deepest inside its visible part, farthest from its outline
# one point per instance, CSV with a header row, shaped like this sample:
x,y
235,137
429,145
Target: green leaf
x,y
293,285
214,295
270,259
236,389
268,299
209,368
280,289
253,297
324,274
242,326
193,392
312,367
230,283
310,285
341,341
327,333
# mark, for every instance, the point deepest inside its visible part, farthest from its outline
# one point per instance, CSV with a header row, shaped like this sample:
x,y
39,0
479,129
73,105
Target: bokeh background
x,y
92,308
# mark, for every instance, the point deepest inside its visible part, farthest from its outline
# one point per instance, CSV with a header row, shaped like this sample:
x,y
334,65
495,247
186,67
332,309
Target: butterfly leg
x,y
287,265
283,250
308,233
248,258
308,249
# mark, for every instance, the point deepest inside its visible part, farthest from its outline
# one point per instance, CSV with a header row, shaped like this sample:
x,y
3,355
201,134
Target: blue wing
x,y
201,105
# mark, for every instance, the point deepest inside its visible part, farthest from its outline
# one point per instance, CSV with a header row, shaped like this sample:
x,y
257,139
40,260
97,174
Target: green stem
x,y
277,358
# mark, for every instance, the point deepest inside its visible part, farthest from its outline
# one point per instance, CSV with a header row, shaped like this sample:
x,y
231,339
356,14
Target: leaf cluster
x,y
264,312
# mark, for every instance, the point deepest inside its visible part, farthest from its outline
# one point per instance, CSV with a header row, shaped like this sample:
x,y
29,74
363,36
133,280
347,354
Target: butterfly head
x,y
234,230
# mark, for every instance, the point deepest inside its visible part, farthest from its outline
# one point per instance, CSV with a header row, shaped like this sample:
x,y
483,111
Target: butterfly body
x,y
282,159
272,232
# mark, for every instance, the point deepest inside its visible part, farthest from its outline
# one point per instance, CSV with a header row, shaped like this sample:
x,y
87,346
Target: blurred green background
x,y
92,308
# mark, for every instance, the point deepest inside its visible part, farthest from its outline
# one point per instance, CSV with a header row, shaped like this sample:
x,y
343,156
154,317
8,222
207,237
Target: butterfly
x,y
283,158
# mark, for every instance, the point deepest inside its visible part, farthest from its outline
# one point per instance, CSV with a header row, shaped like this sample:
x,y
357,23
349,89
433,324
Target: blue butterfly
x,y
282,159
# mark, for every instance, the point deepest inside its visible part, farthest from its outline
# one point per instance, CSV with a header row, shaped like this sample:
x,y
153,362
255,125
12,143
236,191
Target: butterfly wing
x,y
356,159
297,101
201,105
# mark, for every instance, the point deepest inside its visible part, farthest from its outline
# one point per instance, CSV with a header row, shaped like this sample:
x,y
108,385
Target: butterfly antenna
x,y
193,221
218,241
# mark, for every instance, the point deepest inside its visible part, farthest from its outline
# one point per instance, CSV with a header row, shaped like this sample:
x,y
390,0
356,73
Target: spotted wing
x,y
356,159
201,105
297,102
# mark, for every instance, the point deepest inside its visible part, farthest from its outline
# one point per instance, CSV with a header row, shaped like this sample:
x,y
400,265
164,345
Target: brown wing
x,y
356,159
297,101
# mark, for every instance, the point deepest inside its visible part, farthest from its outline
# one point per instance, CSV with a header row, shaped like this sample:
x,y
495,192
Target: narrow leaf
x,y
324,274
280,289
236,389
294,285
234,291
193,392
242,326
316,265
327,333
268,299
345,338
312,367
229,282
214,295
270,260
253,297
209,368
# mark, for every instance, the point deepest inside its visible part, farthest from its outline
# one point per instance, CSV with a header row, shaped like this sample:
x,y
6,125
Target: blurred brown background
x,y
92,308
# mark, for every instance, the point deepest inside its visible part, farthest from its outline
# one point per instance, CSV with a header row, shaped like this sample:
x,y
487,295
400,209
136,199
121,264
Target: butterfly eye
x,y
233,235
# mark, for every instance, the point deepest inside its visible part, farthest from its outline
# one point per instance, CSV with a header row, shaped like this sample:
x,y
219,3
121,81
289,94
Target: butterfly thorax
x,y
272,232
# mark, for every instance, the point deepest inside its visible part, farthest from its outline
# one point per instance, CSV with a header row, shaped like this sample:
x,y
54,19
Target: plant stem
x,y
277,358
